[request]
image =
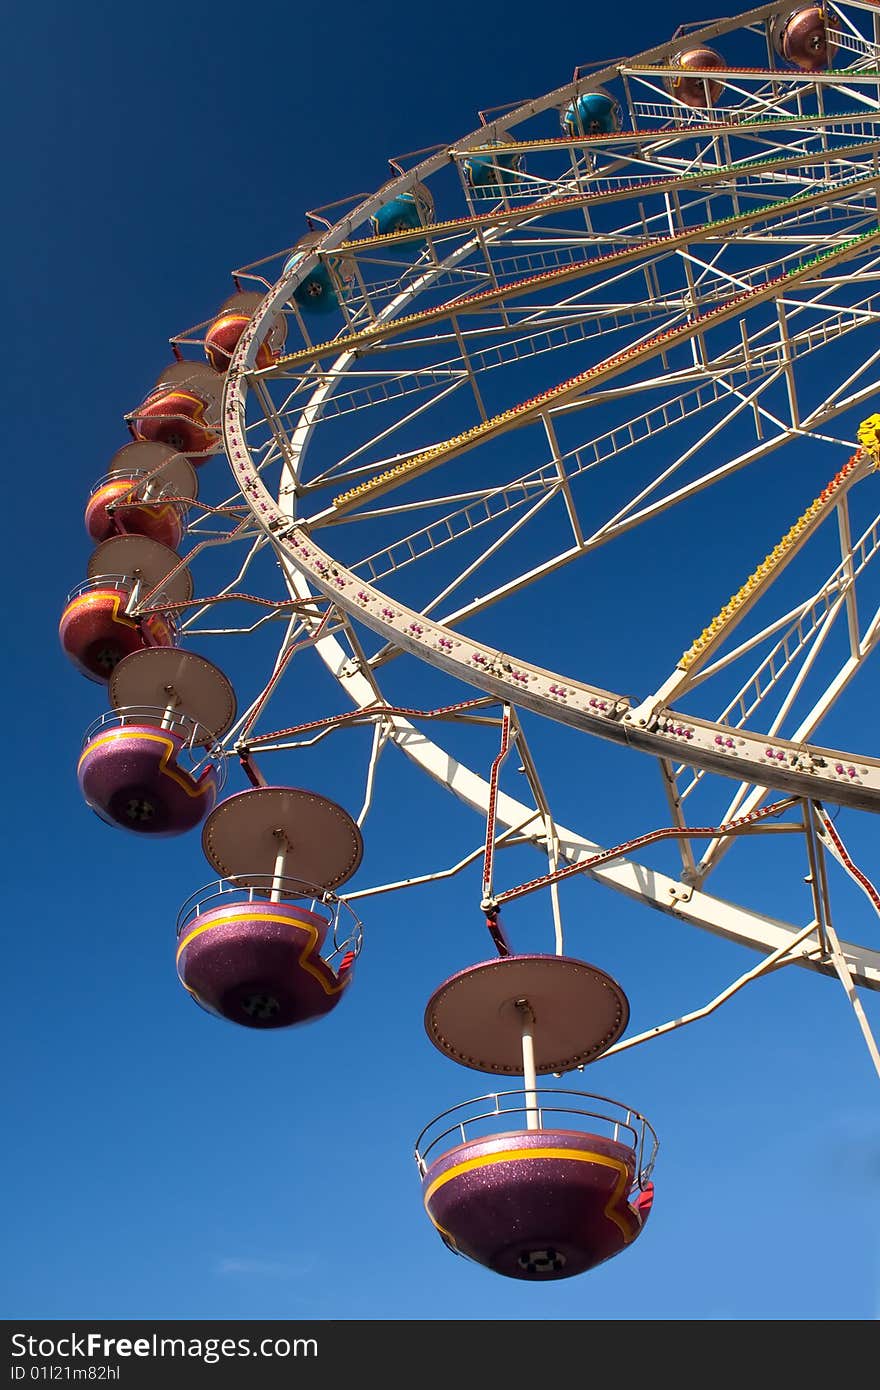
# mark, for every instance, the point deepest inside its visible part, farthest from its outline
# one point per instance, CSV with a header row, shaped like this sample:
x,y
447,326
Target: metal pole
x,y
814,824
528,1056
134,595
278,874
173,702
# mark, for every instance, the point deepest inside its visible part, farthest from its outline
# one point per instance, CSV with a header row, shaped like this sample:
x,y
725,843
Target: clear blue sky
x,y
159,1164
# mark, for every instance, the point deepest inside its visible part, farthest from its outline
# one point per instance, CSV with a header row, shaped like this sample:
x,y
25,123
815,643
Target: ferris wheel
x,y
470,419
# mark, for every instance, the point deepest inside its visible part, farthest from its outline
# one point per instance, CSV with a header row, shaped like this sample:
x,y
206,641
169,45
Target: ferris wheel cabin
x,y
405,213
697,91
534,1185
488,172
249,948
182,411
800,36
98,626
149,765
145,492
224,334
321,290
592,113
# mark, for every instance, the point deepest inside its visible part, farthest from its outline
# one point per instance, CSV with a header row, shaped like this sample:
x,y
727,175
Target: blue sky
x,y
159,1164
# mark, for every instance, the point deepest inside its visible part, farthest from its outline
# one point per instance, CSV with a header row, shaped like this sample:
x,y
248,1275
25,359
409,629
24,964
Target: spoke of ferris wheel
x,y
489,506
627,433
380,735
800,624
863,462
686,674
608,531
722,275
674,800
850,574
399,383
564,318
749,796
785,955
829,77
342,468
355,474
683,902
486,554
811,337
841,583
628,514
547,478
813,617
234,584
854,40
575,303
480,507
672,135
550,831
696,147
581,544
280,440
380,332
530,336
391,651
497,221
822,633
612,444
502,840
762,96
697,181
578,387
819,885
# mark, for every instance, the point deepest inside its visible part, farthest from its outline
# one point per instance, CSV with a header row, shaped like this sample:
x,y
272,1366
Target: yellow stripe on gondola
x,y
88,600
307,951
468,1165
192,789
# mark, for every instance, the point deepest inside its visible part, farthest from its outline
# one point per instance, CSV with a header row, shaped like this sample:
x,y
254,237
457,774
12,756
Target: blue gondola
x,y
319,292
592,113
485,169
404,213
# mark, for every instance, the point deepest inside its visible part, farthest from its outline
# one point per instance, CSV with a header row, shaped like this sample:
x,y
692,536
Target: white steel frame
x,y
740,361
